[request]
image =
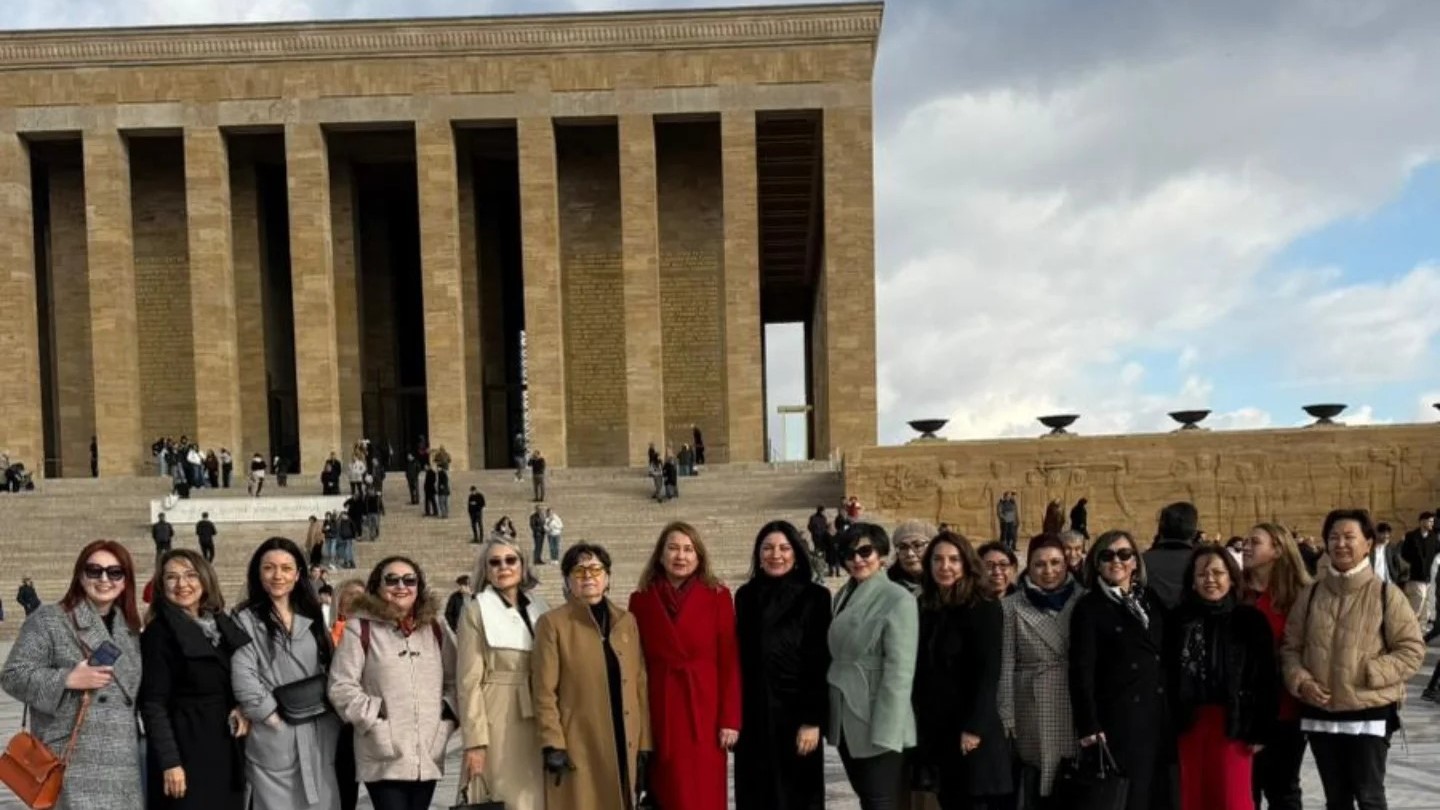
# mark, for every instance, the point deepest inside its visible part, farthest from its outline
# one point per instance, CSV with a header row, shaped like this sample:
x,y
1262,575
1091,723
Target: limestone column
x,y
115,351
742,330
249,315
540,249
73,406
447,382
470,306
312,275
22,432
847,301
212,289
644,371
347,303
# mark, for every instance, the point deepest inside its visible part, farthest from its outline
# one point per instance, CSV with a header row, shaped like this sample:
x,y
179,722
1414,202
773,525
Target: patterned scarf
x,y
1133,600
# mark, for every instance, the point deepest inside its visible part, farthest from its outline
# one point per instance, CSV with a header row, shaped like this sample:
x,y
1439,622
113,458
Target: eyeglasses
x,y
863,552
917,547
587,571
114,573
396,580
1110,555
504,562
1003,565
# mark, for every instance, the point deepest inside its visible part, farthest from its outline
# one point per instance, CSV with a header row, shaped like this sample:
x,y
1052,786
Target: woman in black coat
x,y
1117,675
783,618
957,677
196,759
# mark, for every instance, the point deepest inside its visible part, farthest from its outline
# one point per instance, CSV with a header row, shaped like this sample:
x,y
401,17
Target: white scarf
x,y
504,627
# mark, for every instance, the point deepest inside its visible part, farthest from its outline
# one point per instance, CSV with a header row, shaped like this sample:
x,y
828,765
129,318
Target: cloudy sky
x,y
1115,207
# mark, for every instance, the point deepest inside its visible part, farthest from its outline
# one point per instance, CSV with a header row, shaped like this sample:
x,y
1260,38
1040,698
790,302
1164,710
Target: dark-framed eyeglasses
x,y
397,580
115,573
1110,555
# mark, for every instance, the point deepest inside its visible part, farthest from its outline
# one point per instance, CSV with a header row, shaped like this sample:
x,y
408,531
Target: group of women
x,y
951,681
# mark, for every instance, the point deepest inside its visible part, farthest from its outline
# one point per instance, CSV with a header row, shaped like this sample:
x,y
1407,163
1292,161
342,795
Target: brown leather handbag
x,y
32,771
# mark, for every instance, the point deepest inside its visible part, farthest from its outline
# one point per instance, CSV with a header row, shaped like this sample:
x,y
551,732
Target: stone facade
x,y
175,254
1235,478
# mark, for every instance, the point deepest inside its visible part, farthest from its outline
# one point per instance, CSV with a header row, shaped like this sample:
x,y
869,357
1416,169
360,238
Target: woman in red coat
x,y
687,627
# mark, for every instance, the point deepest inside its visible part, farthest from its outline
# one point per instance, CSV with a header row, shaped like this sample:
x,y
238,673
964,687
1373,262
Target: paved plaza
x,y
1412,778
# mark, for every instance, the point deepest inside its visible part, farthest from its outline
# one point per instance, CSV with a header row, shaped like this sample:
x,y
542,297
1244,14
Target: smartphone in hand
x,y
105,655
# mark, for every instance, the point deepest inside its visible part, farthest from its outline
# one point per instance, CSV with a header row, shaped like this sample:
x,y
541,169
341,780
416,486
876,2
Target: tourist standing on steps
x,y
227,467
537,533
594,742
687,629
1116,676
289,756
497,719
537,475
782,619
357,475
475,505
94,458
554,528
194,728
1420,548
657,477
699,443
518,454
163,533
257,475
1007,512
374,506
962,751
412,478
1034,668
1275,576
394,680
873,641
48,670
456,602
442,491
1352,691
205,532
432,507
1165,560
670,472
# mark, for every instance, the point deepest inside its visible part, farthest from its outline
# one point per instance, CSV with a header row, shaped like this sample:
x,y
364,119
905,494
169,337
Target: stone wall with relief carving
x,y
1236,478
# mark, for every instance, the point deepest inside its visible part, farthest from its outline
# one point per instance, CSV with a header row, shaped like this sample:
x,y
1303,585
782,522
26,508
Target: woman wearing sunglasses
x,y
1034,665
394,680
591,700
497,715
873,639
1117,681
290,751
50,670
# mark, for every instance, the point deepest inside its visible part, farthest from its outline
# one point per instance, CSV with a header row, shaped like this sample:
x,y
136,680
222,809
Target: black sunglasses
x,y
863,552
115,573
395,580
1110,555
507,562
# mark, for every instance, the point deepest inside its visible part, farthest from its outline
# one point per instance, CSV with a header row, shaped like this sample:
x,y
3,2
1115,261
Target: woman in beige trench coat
x,y
497,715
588,675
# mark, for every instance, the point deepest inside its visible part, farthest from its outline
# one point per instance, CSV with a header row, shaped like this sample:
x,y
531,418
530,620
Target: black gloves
x,y
557,762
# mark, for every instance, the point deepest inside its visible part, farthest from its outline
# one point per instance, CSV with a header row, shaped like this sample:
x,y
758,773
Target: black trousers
x,y
1275,771
1352,770
875,780
207,550
432,507
345,768
391,795
477,525
1434,683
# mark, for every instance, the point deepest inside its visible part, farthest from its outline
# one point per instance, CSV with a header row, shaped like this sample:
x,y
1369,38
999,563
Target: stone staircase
x,y
40,532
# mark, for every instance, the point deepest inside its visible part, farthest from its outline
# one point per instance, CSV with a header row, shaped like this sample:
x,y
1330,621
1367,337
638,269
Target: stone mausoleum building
x,y
284,237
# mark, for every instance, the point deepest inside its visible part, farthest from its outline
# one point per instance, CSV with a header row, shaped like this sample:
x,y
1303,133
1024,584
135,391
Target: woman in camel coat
x,y
497,715
595,740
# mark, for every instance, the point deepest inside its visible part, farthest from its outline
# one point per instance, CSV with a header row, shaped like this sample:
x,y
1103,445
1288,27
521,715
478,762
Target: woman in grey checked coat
x,y
289,767
48,670
1034,665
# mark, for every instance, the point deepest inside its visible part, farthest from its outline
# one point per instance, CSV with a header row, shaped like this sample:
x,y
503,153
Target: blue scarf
x,y
1053,601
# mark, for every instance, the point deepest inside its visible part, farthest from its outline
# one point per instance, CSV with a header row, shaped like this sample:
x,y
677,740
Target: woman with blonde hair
x,y
1275,575
687,629
497,715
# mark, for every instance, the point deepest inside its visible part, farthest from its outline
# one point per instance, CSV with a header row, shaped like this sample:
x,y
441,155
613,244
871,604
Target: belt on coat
x,y
859,665
687,672
513,678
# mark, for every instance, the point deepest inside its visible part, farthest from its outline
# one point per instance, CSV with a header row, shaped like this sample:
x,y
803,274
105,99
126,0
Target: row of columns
x,y
326,374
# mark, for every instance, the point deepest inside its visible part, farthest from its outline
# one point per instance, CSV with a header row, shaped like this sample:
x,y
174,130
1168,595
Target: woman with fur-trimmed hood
x,y
394,679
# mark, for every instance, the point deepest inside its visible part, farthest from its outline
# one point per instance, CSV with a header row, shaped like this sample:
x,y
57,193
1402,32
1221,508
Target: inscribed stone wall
x,y
592,296
70,319
692,259
162,289
1235,478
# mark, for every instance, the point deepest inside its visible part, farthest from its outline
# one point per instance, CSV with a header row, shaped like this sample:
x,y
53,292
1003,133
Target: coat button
x,y
101,699
128,701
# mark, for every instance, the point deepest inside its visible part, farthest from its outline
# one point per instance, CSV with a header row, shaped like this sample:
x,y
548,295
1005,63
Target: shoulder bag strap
x,y
75,732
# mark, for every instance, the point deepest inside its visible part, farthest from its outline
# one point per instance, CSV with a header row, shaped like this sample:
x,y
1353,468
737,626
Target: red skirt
x,y
1214,769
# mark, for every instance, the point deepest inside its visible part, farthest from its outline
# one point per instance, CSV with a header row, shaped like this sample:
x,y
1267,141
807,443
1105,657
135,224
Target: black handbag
x,y
302,701
466,804
1091,780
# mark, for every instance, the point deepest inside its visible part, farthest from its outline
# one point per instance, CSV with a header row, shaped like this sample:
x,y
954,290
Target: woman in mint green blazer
x,y
873,639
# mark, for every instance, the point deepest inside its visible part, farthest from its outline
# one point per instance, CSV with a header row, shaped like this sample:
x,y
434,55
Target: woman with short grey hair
x,y
497,715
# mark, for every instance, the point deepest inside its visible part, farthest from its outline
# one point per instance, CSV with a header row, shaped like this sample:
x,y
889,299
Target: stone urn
x,y
1058,422
1325,413
927,428
1189,420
